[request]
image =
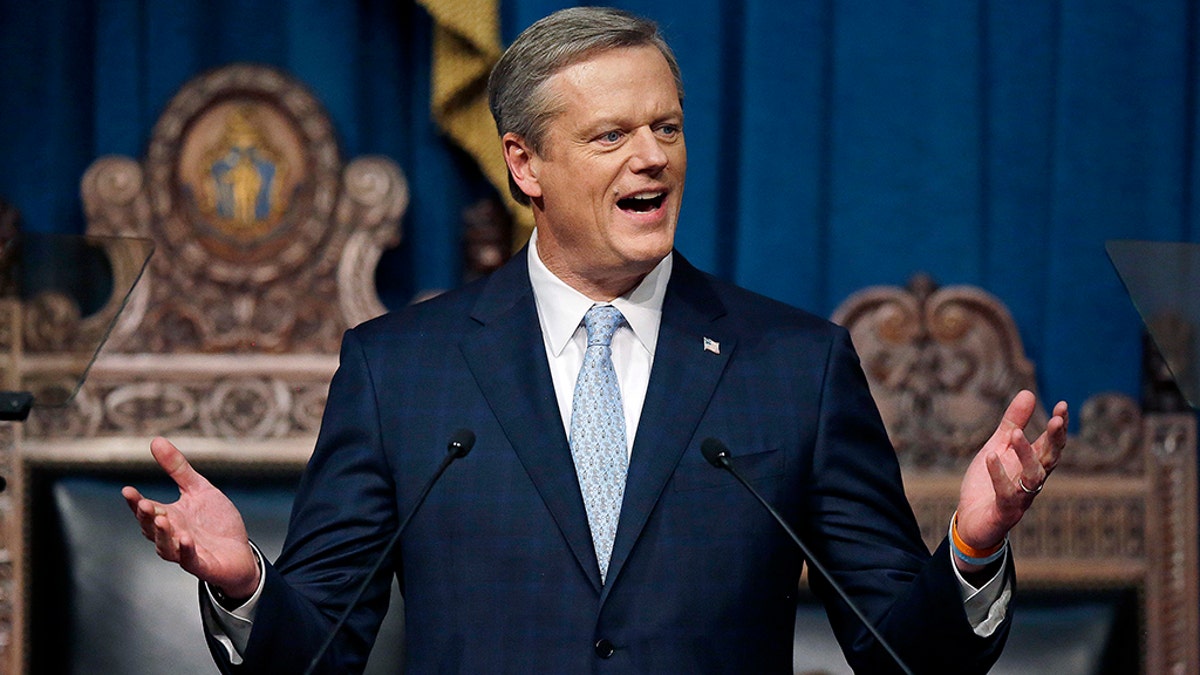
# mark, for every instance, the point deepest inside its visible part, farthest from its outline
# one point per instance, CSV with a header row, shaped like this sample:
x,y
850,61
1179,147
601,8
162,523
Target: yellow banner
x,y
466,44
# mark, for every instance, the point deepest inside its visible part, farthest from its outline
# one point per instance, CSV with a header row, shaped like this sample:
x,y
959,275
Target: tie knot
x,y
601,322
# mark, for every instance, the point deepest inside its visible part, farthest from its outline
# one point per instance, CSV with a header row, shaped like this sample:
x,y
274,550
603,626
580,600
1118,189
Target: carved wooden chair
x,y
266,251
1122,512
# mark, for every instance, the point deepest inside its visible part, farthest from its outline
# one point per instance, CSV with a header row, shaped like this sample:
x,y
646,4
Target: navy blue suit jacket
x,y
498,569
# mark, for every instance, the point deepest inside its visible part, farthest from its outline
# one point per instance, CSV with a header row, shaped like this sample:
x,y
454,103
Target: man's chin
x,y
645,259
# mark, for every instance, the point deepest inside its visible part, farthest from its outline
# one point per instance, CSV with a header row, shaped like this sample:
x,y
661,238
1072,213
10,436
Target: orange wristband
x,y
967,549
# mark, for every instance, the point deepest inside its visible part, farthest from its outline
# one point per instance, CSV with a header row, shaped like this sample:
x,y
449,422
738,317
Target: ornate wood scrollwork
x,y
943,363
265,243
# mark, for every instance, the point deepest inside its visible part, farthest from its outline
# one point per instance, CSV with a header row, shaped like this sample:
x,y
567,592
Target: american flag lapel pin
x,y
711,345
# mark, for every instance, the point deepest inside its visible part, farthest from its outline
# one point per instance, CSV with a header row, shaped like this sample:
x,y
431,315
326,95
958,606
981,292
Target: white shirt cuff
x,y
986,606
232,628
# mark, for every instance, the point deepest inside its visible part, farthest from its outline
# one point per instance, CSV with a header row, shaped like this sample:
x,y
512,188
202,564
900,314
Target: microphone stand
x,y
460,444
718,455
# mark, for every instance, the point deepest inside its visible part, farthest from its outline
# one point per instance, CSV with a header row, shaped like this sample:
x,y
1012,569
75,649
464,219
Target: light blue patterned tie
x,y
598,432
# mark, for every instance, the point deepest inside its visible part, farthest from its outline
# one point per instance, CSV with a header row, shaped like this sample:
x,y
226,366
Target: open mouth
x,y
642,203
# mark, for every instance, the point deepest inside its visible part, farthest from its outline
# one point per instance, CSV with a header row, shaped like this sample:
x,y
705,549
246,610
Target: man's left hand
x,y
1007,474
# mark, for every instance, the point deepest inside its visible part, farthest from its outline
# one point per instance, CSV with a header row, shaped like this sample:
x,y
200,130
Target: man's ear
x,y
523,164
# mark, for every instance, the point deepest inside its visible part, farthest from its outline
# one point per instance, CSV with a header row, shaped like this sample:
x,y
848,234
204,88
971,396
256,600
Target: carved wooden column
x,y
1173,641
11,599
10,527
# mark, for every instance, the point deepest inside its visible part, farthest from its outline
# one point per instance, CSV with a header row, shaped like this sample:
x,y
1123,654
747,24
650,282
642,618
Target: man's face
x,y
607,186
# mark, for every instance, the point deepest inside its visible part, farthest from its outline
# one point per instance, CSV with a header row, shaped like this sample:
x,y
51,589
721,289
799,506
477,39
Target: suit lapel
x,y
682,381
507,357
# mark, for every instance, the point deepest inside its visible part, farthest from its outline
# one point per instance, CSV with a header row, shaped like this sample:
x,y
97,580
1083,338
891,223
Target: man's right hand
x,y
202,531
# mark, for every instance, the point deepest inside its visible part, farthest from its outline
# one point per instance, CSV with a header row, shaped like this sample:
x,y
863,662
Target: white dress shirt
x,y
560,311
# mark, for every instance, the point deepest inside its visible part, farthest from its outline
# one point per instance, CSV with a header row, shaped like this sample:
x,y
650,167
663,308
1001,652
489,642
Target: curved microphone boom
x,y
460,444
718,455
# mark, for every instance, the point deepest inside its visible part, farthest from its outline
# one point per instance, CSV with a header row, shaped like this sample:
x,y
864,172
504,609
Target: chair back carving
x,y
266,249
942,364
265,242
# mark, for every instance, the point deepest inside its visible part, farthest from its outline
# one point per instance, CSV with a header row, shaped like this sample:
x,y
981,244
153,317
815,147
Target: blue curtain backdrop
x,y
833,145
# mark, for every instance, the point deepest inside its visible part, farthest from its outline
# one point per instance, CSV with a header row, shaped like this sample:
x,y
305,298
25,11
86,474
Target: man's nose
x,y
648,153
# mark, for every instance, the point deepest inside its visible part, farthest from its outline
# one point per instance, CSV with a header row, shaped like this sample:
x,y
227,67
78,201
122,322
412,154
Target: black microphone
x,y
718,455
460,444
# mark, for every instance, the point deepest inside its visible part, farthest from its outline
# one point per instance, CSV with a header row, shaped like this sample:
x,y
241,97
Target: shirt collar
x,y
561,308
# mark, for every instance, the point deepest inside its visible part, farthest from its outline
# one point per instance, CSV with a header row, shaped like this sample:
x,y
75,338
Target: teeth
x,y
648,196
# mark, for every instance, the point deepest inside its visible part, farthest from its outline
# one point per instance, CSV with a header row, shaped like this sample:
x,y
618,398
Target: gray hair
x,y
515,89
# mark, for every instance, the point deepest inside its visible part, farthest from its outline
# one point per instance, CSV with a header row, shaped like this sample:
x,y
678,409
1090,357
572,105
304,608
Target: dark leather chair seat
x,y
103,602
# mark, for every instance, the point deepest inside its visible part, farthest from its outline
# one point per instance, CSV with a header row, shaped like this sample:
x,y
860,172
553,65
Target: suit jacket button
x,y
604,649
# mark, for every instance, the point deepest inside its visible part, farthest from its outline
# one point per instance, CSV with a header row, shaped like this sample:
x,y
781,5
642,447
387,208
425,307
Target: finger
x,y
1056,440
1059,418
1011,501
1032,472
148,514
1050,444
165,542
132,497
185,548
189,560
1019,412
1001,483
1062,412
176,465
1061,409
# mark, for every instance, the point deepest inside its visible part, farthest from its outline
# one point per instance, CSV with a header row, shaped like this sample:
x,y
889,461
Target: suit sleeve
x,y
344,513
865,532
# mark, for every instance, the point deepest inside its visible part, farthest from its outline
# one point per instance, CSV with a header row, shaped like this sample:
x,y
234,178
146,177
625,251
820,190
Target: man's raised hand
x,y
1008,472
202,531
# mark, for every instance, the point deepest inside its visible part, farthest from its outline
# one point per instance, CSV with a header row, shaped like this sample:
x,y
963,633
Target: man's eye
x,y
668,129
611,137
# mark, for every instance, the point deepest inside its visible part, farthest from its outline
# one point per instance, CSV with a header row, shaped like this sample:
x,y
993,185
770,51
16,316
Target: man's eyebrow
x,y
620,122
606,122
596,127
